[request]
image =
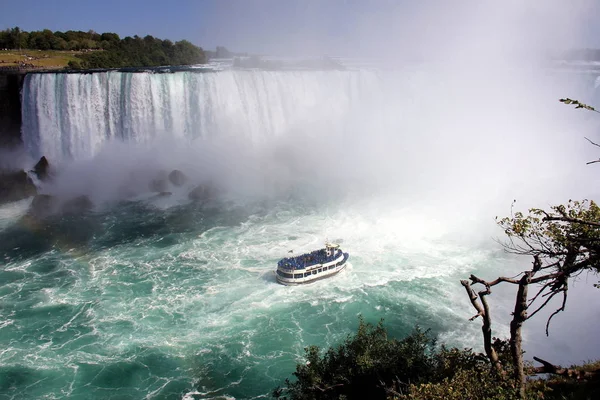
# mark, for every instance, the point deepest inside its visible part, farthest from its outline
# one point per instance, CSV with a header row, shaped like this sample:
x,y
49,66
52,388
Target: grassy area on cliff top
x,y
38,58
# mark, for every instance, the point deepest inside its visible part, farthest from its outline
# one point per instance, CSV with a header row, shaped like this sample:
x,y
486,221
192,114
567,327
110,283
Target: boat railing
x,y
308,260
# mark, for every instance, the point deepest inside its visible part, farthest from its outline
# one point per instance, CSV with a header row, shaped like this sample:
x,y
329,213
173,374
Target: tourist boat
x,y
312,266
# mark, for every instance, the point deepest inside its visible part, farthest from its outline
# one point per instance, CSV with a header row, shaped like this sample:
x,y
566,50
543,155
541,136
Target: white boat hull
x,y
313,273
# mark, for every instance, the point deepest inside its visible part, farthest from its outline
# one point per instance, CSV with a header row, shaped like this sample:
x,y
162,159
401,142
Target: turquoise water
x,y
135,301
162,299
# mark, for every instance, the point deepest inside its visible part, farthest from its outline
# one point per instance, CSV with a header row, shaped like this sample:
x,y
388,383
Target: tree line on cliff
x,y
106,50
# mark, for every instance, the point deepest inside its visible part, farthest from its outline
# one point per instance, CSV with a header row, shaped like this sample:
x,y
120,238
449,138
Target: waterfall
x,y
430,132
71,116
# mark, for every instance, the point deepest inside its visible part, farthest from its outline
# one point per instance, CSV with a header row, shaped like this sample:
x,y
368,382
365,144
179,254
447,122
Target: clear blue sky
x,y
296,26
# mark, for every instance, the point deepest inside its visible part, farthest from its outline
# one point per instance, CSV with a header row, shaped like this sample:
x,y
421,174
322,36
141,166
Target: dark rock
x,y
42,206
198,193
177,178
42,168
77,205
158,185
16,186
203,192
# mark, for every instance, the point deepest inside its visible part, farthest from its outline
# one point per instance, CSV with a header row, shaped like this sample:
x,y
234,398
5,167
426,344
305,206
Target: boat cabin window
x,y
331,266
306,274
314,272
284,274
296,276
320,269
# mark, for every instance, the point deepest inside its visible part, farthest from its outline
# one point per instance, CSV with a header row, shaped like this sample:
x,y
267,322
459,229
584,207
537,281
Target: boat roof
x,y
305,260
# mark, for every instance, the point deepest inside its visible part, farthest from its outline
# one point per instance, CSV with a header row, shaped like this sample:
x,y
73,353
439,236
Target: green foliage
x,y
371,365
573,228
473,384
74,64
578,104
363,366
106,50
146,52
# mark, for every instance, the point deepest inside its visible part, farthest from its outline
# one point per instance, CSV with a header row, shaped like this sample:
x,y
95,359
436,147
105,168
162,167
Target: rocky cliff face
x,y
10,108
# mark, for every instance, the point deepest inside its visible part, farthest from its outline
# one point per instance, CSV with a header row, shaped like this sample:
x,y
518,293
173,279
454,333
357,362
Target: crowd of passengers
x,y
305,260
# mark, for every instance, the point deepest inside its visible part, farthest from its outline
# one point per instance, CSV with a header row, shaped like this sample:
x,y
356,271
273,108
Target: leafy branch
x,y
578,104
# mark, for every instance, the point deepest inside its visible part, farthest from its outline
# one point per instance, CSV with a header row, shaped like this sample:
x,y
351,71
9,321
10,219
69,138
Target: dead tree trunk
x,y
519,316
579,374
486,328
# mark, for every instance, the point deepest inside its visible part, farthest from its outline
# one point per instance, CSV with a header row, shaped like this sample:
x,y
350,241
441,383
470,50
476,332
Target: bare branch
x,y
573,220
549,368
486,328
538,293
555,264
562,308
537,264
475,279
552,294
546,277
315,387
595,144
473,298
474,317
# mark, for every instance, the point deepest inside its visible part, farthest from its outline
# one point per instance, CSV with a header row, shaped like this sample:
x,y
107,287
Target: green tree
x,y
74,64
23,40
110,37
129,52
15,38
4,39
363,366
563,241
370,365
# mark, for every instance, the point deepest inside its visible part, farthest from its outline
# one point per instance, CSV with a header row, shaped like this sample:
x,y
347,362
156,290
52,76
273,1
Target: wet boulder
x,y
42,206
15,186
177,178
42,169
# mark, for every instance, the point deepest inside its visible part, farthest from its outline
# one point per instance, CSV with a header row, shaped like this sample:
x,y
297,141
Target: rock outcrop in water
x,y
42,206
160,183
15,186
177,178
18,185
45,205
42,168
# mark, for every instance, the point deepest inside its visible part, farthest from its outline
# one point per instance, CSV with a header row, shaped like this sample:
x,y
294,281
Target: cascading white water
x,y
71,116
420,130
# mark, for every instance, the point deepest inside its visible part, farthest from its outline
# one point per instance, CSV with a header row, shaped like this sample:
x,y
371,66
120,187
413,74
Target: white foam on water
x,y
11,212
